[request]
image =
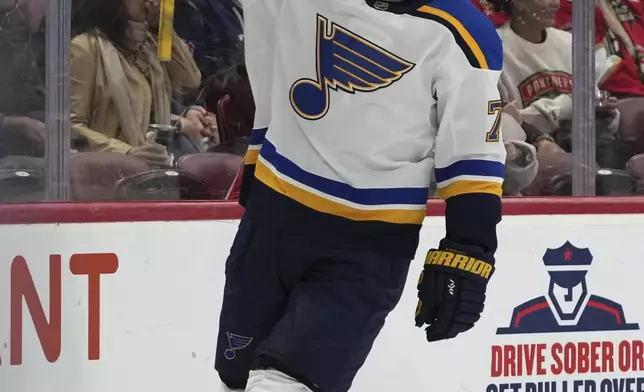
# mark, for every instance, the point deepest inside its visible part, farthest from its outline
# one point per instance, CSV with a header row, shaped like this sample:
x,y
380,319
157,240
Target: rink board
x,y
133,305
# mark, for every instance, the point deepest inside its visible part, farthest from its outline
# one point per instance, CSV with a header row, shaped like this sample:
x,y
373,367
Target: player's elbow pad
x,y
471,220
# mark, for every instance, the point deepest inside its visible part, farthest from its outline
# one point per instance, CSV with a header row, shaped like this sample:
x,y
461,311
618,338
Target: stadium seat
x,y
635,166
608,182
238,147
631,123
22,179
163,184
94,174
21,186
229,96
611,182
228,123
551,164
216,170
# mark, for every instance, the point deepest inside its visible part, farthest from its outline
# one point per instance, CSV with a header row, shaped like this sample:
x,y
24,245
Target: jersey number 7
x,y
494,109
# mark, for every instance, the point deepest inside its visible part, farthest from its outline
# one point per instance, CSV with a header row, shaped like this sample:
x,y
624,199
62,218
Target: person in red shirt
x,y
620,39
498,18
622,31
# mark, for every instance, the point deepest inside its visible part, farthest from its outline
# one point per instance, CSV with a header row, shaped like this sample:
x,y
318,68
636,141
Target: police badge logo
x,y
568,305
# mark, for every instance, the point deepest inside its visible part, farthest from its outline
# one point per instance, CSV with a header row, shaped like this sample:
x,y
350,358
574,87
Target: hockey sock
x,y
271,380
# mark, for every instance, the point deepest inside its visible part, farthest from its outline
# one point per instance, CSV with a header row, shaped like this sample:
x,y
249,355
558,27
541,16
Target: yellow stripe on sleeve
x,y
251,157
465,186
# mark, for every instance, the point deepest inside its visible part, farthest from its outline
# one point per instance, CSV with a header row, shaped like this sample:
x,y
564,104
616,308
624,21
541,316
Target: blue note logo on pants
x,y
568,306
236,342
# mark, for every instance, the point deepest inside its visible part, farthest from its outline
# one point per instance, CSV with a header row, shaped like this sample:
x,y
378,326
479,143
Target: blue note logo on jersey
x,y
236,342
347,62
568,306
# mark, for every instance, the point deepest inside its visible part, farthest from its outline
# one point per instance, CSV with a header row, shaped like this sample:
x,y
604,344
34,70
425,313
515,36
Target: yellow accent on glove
x,y
460,261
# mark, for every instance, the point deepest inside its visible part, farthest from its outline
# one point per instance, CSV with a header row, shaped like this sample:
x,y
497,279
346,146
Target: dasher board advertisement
x,y
134,306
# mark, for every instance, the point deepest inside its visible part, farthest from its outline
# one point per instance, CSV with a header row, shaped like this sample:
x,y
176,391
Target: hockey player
x,y
365,100
259,32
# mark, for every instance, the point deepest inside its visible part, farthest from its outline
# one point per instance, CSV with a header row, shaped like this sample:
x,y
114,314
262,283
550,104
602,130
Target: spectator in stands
x,y
521,164
621,30
537,72
215,29
118,84
619,36
22,93
620,39
21,135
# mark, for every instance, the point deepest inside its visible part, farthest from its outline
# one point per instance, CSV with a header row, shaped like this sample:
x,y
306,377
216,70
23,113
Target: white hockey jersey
x,y
368,99
259,33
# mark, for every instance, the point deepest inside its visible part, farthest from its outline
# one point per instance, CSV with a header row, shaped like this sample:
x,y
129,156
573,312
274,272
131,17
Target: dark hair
x,y
106,16
501,5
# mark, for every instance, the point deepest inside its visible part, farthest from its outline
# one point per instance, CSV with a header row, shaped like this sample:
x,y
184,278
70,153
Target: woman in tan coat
x,y
118,85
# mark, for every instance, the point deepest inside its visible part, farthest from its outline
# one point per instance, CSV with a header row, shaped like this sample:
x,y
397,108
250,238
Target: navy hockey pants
x,y
315,310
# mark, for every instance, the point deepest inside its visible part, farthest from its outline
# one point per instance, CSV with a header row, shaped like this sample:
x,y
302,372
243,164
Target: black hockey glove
x,y
451,289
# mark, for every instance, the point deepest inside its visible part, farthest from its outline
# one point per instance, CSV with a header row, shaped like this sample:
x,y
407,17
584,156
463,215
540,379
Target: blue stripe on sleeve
x,y
470,167
258,135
